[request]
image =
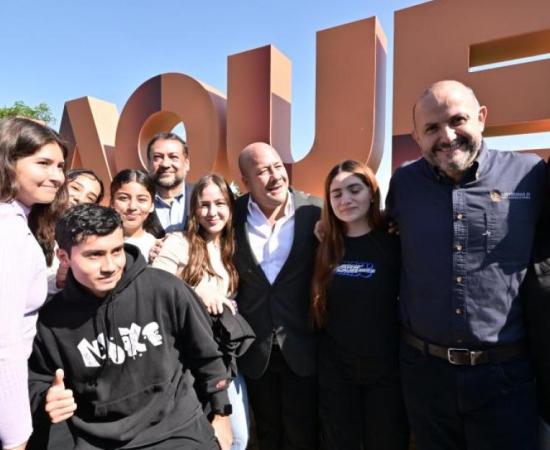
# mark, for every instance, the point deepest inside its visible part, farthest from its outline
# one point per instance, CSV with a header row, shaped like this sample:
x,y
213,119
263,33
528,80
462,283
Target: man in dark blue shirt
x,y
466,216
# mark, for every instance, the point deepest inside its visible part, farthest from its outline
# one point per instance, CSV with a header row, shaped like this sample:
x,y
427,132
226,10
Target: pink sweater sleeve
x,y
22,291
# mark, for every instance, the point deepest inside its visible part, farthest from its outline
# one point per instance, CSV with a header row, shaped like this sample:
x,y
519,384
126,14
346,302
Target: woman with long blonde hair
x,y
203,258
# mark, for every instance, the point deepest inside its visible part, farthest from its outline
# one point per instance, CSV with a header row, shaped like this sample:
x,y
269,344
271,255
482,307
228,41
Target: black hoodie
x,y
139,391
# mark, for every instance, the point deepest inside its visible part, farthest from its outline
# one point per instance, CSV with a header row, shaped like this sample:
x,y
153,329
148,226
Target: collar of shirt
x,y
257,219
172,215
160,202
20,208
482,159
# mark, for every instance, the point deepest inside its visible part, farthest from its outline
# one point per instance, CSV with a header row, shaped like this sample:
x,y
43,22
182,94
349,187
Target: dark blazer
x,y
280,308
188,192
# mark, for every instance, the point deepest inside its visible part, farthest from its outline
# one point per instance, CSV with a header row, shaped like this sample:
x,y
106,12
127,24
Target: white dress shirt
x,y
270,244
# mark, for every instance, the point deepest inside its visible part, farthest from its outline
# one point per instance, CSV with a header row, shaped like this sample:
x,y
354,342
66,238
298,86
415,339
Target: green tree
x,y
20,109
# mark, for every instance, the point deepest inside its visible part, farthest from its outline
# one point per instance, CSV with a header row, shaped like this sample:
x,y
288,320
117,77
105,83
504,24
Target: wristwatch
x,y
226,410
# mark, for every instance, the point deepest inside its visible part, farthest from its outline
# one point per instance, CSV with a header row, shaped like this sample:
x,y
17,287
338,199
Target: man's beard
x,y
468,148
167,183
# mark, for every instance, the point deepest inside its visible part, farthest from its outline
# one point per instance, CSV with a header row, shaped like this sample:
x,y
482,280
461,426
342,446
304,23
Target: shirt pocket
x,y
495,228
509,231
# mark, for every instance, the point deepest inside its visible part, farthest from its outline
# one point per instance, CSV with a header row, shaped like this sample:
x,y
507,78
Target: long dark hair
x,y
331,248
151,224
19,138
199,262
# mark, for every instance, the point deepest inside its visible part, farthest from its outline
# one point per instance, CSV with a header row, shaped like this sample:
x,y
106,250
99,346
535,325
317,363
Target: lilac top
x,y
23,288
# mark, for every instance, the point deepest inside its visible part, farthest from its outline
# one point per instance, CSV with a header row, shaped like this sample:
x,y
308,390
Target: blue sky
x,y
57,51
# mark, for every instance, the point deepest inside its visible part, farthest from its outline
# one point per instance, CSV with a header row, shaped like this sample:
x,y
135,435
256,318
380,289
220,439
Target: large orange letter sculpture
x,y
349,111
350,102
160,104
435,40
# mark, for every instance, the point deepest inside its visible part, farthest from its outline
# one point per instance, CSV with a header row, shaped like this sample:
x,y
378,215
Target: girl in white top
x,y
132,194
204,259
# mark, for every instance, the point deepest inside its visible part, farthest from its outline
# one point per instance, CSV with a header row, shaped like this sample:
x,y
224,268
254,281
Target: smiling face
x,y
83,189
350,199
97,262
213,210
265,177
168,164
449,123
134,204
40,175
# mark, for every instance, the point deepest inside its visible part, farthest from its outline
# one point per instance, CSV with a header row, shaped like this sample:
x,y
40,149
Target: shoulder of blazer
x,y
188,192
189,189
241,209
302,199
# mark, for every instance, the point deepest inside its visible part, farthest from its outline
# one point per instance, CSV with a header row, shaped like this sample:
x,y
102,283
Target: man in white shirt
x,y
274,258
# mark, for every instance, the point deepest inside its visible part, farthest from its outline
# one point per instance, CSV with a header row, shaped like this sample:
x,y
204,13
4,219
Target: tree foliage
x,y
20,109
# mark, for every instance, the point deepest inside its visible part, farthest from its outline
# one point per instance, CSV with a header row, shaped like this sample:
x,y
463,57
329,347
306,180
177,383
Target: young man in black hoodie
x,y
116,348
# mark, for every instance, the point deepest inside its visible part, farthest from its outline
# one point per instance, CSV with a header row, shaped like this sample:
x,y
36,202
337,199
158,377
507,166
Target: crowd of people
x,y
183,316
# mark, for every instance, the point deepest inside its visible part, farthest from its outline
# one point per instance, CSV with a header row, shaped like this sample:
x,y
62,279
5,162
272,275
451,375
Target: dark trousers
x,y
197,435
485,407
284,406
361,403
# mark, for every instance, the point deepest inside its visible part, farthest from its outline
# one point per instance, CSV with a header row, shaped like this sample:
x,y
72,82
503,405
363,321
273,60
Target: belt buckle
x,y
452,350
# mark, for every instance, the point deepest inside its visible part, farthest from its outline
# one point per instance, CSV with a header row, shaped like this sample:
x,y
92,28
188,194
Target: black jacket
x,y
536,293
234,337
139,391
279,309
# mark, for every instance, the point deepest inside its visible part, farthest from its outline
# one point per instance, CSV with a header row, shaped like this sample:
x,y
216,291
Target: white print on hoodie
x,y
93,352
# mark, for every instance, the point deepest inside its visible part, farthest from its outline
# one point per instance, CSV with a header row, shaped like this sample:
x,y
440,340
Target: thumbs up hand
x,y
60,404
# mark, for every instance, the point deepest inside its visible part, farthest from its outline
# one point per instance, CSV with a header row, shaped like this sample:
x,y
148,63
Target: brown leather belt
x,y
464,356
